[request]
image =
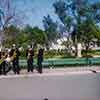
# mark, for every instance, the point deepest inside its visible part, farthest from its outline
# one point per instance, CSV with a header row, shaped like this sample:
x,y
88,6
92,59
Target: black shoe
x,y
18,72
40,72
4,73
0,73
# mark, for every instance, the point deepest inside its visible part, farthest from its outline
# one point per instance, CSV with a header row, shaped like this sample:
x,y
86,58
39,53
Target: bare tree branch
x,y
8,15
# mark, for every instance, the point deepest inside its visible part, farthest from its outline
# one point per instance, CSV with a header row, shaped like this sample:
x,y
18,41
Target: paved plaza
x,y
54,84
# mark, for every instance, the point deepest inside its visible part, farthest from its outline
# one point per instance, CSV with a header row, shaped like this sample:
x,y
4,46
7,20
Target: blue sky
x,y
34,10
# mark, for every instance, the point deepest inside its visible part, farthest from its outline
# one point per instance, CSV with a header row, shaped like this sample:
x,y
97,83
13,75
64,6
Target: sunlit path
x,y
54,86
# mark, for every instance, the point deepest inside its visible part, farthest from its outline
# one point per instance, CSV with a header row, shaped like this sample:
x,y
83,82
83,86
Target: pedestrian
x,y
30,59
40,60
3,63
0,63
15,59
9,60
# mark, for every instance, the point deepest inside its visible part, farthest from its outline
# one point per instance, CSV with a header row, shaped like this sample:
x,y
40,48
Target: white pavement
x,y
54,84
55,72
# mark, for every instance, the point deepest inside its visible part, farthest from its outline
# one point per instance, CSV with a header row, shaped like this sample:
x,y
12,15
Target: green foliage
x,y
91,52
60,9
50,29
39,36
29,35
82,16
11,33
88,31
73,13
57,54
25,36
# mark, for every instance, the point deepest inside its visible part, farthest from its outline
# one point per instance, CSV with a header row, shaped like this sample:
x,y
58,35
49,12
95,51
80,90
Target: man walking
x,y
15,55
2,63
30,60
40,60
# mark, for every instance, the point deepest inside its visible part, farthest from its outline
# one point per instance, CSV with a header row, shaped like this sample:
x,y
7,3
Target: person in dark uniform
x,y
8,60
15,55
40,60
2,63
30,59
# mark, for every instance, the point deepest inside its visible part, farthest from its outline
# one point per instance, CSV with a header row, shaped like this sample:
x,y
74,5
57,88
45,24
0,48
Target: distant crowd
x,y
9,60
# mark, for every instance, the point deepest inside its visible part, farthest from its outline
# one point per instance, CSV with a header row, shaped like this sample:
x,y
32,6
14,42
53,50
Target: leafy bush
x,y
49,54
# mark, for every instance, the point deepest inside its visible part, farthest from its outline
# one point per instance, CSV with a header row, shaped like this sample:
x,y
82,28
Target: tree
x,y
25,37
89,31
8,16
39,36
61,9
74,13
32,35
50,29
12,34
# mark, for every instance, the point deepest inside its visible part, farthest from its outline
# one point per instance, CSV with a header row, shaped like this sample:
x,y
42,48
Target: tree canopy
x,y
73,13
50,29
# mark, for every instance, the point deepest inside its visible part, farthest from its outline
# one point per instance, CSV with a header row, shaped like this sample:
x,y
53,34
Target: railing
x,y
66,62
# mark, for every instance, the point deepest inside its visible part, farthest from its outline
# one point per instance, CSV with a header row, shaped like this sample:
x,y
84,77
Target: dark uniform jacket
x,y
30,53
0,55
17,53
40,55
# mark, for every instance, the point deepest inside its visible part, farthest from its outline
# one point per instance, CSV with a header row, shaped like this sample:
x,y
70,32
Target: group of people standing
x,y
9,60
30,59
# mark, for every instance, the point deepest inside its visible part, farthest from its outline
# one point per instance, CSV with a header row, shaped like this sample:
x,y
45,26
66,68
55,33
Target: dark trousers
x,y
30,66
2,68
16,67
39,66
